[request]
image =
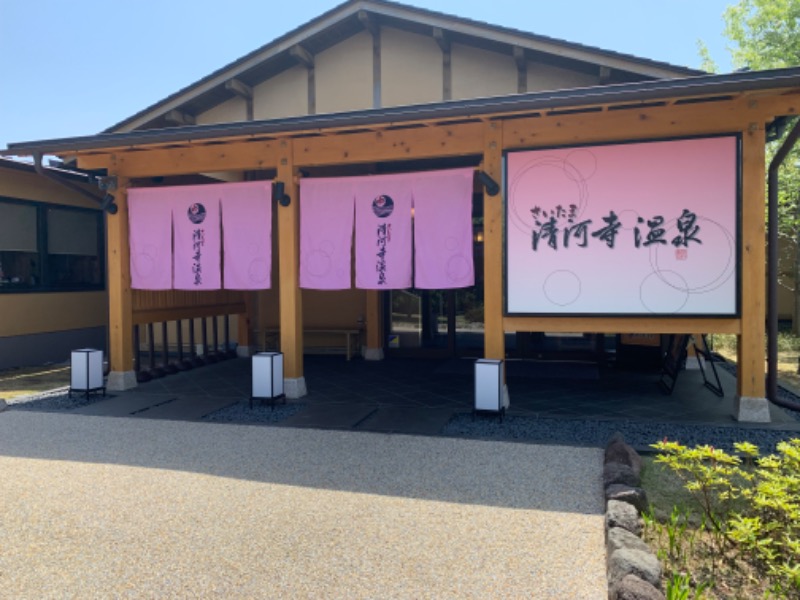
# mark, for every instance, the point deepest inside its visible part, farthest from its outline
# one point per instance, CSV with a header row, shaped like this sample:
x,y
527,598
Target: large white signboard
x,y
645,228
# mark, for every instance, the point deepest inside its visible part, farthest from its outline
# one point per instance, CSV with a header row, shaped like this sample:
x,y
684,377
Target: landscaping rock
x,y
634,496
626,561
619,538
618,473
622,514
617,451
635,588
3,405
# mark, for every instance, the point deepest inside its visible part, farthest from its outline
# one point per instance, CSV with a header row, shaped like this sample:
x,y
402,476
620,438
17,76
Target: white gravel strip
x,y
96,507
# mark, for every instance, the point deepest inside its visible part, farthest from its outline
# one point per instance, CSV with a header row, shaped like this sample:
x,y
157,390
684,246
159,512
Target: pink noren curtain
x,y
326,233
150,222
247,234
383,232
196,225
443,229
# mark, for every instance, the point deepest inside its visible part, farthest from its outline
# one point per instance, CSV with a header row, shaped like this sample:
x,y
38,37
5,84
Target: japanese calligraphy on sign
x,y
197,214
639,228
565,228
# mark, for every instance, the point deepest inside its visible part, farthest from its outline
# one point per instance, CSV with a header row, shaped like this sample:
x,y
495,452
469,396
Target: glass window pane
x,y
18,227
19,270
72,232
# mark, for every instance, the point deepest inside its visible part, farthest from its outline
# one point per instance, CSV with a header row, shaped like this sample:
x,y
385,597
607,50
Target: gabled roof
x,y
349,18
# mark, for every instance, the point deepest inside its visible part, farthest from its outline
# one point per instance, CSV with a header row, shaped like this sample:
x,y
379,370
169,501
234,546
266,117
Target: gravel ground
x,y
595,433
98,507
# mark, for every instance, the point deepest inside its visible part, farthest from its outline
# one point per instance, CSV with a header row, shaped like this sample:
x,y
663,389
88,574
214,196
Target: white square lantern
x,y
267,377
489,386
86,372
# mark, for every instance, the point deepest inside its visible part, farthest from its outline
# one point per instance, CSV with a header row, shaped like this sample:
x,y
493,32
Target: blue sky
x,y
70,68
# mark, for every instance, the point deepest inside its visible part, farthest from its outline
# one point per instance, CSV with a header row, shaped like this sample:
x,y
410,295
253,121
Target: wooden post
x,y
374,350
120,305
494,336
244,322
751,385
291,305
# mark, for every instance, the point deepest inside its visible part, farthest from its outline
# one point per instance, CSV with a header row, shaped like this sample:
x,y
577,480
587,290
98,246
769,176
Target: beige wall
x,y
411,73
230,111
339,309
545,77
411,68
478,73
24,314
285,95
344,75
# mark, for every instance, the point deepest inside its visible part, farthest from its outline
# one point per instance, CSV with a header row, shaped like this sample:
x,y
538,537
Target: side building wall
x,y
39,327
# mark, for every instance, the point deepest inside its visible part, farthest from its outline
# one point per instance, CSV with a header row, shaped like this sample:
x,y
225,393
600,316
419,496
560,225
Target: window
x,y
50,248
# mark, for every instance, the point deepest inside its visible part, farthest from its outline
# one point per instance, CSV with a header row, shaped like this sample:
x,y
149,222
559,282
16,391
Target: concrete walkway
x,y
99,507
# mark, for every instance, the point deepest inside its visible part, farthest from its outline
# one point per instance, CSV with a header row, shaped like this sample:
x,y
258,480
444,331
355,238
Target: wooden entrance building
x,y
625,100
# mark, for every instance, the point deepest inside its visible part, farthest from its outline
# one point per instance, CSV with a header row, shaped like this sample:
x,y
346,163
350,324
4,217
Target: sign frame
x,y
736,136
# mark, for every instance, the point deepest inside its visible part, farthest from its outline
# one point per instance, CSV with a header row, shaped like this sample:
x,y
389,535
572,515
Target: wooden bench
x,y
270,338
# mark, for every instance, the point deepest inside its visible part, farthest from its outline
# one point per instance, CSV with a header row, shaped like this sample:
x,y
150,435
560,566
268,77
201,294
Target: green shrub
x,y
751,504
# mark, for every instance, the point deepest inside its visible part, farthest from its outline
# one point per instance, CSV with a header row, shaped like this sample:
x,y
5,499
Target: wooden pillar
x,y
751,348
494,337
120,304
245,322
291,305
374,349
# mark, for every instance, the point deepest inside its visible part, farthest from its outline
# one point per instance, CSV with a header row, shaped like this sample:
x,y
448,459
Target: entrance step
x,y
123,405
187,408
330,416
407,419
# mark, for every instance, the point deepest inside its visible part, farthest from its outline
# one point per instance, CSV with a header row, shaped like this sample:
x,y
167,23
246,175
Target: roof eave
x,y
713,85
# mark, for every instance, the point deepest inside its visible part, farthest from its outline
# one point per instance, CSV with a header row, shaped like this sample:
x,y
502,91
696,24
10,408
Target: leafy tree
x,y
766,35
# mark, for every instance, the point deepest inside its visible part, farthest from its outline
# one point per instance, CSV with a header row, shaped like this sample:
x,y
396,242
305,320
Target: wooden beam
x,y
638,123
374,323
422,142
441,38
157,315
494,334
369,22
306,59
179,117
752,340
620,325
370,147
522,69
243,91
302,56
246,320
240,156
377,101
311,95
240,89
447,71
120,306
291,305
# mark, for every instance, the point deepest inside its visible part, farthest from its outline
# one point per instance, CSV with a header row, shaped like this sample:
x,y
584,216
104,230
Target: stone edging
x,y
634,572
